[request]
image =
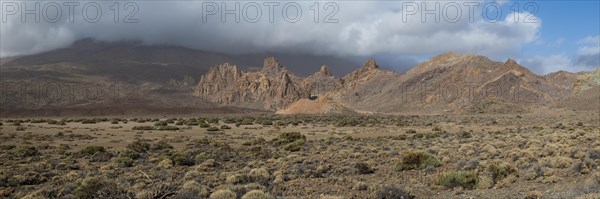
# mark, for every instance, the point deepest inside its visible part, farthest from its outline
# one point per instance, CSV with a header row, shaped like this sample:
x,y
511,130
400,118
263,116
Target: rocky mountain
x,y
585,92
448,82
270,88
93,75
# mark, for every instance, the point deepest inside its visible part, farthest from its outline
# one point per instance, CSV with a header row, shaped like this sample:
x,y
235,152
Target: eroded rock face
x,y
274,88
448,81
270,88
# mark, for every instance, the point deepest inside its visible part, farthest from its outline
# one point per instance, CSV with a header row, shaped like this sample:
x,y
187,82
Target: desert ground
x,y
552,154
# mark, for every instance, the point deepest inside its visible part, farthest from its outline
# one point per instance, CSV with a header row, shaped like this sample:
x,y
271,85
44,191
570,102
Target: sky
x,y
545,36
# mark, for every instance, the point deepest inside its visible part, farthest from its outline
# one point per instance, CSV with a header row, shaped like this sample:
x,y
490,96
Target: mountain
x,y
447,82
270,88
126,60
585,92
90,75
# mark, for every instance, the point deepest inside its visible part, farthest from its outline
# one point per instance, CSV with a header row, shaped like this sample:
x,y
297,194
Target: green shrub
x,y
161,123
182,159
201,157
291,141
212,128
294,146
161,145
93,187
36,121
288,137
144,128
388,191
130,154
257,194
91,150
88,121
417,160
213,120
223,194
465,179
123,161
247,121
266,122
229,120
500,171
225,127
363,168
167,128
204,125
7,147
139,146
25,151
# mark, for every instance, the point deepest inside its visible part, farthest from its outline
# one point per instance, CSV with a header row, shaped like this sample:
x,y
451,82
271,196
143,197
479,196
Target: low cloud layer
x,y
587,58
362,29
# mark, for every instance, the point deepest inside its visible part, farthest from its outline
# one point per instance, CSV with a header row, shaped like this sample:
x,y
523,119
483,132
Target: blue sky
x,y
564,24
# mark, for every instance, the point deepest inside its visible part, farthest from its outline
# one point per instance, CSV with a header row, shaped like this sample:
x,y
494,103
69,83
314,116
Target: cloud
x,y
588,54
590,40
546,64
587,58
364,29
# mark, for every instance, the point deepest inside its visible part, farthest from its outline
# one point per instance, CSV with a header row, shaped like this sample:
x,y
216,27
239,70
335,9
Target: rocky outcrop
x,y
322,105
270,88
450,81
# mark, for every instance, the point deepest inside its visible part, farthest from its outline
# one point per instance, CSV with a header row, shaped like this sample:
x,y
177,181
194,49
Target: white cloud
x,y
590,40
587,58
364,29
588,50
547,64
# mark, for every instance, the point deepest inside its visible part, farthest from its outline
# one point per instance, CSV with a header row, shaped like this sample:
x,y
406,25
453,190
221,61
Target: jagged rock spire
x,y
325,70
272,64
371,64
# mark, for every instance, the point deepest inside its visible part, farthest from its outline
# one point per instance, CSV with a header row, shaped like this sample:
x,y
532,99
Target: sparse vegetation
x,y
417,160
91,150
374,159
465,179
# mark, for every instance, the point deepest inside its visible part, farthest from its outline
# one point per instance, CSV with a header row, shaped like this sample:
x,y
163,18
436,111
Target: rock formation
x,y
270,88
460,82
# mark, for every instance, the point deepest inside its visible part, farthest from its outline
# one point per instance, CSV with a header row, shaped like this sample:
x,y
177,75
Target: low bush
x,y
417,160
25,151
93,187
123,161
223,194
500,171
225,127
161,145
182,159
167,128
257,194
144,128
363,168
387,192
291,141
139,146
91,150
465,179
212,128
